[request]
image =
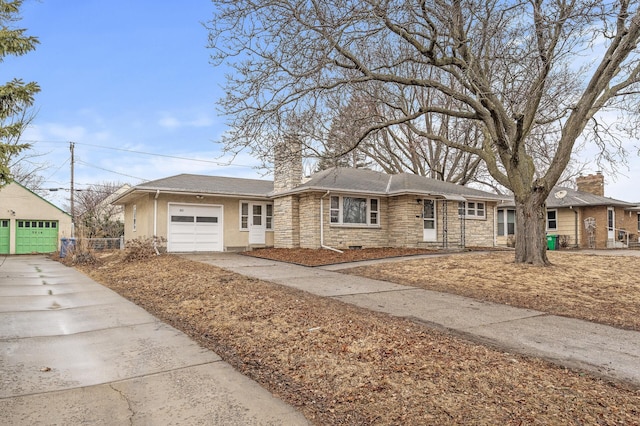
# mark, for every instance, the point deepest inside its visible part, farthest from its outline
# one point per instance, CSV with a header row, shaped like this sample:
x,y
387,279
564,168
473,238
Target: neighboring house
x,y
29,223
107,208
337,208
101,219
581,218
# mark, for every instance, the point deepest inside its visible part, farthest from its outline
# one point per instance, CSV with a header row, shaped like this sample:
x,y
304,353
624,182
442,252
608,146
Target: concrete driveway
x,y
75,352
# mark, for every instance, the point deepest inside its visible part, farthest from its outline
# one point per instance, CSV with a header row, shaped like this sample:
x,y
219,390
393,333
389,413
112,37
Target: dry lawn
x,y
342,365
603,289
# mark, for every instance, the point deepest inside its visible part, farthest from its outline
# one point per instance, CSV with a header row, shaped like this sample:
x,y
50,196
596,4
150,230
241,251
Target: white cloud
x,y
170,121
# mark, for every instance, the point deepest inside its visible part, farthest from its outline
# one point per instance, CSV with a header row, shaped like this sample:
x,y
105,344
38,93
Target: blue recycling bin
x,y
66,245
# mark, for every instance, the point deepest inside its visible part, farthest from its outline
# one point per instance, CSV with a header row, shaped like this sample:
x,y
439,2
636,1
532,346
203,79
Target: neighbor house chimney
x,y
593,184
287,165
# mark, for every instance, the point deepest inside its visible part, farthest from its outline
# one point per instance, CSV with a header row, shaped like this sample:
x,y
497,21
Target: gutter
x,y
322,225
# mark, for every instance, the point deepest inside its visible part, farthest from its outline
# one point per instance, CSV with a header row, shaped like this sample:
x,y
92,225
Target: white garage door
x,y
194,228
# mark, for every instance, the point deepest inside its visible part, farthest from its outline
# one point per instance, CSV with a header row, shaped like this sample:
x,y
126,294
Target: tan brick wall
x,y
600,215
629,222
593,184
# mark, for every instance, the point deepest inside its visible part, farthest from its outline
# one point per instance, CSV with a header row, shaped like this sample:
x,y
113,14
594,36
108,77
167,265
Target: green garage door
x,y
36,236
4,236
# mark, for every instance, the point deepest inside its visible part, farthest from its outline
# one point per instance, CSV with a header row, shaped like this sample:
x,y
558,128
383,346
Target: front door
x,y
429,220
257,225
611,224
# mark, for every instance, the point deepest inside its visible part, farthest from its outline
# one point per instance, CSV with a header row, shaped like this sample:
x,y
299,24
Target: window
x,y
638,222
354,210
335,209
182,219
134,218
552,220
244,215
506,222
373,213
269,219
206,219
259,213
472,209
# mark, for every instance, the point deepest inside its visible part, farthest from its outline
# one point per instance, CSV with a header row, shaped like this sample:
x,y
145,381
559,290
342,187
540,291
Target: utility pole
x,y
73,211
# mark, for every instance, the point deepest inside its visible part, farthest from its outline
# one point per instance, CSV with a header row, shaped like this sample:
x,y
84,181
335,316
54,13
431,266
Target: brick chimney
x,y
593,184
287,165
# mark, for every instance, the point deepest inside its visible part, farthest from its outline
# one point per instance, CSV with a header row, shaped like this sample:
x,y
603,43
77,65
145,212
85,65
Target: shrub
x,y
143,248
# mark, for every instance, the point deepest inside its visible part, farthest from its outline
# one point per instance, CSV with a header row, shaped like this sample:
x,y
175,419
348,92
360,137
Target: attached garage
x,y
195,228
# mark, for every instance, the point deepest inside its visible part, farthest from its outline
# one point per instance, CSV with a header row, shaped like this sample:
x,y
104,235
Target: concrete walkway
x,y
74,352
603,350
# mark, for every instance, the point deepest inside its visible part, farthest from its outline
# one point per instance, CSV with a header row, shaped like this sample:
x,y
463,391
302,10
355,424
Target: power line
x,y
110,171
217,163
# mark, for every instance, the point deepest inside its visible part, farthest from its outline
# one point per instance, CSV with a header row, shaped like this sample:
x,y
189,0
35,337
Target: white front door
x,y
611,224
430,232
257,224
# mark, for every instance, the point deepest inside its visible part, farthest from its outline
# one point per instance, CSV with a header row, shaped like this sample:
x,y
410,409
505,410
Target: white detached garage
x,y
195,227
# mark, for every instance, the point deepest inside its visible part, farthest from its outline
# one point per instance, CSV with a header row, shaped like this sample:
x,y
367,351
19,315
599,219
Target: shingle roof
x,y
378,183
350,180
207,185
573,198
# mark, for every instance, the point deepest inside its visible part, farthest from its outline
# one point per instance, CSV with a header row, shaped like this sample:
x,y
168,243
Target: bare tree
x,y
520,70
98,218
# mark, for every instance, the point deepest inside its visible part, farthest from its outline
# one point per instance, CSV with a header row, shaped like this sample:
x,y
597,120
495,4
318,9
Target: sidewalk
x,y
75,352
600,349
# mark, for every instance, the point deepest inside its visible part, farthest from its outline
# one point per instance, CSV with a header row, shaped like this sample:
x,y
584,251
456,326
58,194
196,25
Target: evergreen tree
x,y
16,96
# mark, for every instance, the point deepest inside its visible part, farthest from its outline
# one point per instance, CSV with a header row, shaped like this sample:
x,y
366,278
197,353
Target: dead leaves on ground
x,y
344,365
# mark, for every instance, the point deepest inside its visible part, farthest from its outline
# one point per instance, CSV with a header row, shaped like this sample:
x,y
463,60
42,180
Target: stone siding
x,y
286,222
405,221
343,237
310,219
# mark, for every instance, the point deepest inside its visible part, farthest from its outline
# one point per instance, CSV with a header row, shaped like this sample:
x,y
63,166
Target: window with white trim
x,y
472,209
506,222
135,218
346,210
552,220
269,218
244,216
260,213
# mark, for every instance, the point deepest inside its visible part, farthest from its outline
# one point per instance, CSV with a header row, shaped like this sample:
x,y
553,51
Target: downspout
x,y
322,225
155,222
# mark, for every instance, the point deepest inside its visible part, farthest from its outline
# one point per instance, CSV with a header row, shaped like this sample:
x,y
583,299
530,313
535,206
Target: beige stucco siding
x,y
233,236
18,203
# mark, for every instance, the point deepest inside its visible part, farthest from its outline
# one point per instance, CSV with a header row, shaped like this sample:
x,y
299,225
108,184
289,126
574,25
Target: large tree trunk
x,y
531,236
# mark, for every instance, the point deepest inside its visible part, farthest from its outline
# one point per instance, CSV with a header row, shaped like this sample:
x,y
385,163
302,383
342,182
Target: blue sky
x,y
123,74
135,75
